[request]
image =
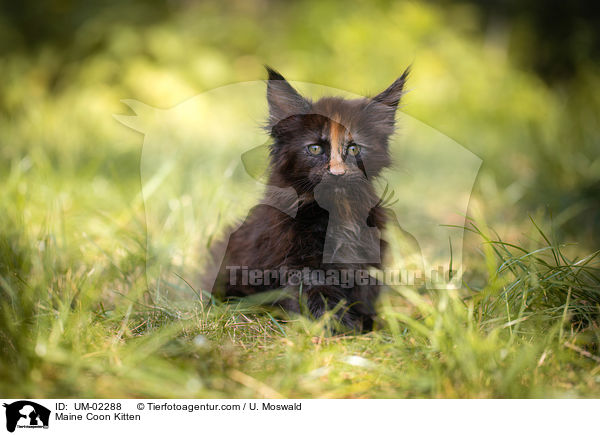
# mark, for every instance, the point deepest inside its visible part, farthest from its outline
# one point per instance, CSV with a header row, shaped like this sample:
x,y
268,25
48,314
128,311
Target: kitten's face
x,y
343,142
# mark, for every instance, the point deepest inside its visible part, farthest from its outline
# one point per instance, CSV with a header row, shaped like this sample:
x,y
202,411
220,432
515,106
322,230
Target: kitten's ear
x,y
284,101
391,96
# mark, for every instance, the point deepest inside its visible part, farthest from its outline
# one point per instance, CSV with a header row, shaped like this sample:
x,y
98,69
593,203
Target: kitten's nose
x,y
338,172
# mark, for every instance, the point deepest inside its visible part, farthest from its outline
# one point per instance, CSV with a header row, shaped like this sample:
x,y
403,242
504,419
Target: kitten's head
x,y
332,139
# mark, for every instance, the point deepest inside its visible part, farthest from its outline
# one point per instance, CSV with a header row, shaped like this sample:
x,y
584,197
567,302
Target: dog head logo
x,y
26,414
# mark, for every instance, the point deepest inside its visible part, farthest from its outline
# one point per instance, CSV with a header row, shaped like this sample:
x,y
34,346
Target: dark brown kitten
x,y
328,153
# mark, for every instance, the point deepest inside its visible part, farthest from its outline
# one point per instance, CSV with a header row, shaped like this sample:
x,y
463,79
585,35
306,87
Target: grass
x,y
83,324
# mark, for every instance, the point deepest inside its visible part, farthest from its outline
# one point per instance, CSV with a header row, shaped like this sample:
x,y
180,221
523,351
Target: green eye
x,y
315,150
353,150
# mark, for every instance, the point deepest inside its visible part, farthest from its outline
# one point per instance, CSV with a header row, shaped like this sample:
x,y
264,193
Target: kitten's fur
x,y
270,239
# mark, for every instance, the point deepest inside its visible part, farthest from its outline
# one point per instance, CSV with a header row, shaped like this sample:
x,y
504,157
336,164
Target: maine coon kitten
x,y
328,152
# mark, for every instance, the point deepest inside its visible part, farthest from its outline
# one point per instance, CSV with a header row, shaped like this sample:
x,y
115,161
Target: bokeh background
x,y
515,82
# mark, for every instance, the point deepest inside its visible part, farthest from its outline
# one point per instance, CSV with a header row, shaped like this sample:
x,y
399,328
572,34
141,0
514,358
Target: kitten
x,y
328,152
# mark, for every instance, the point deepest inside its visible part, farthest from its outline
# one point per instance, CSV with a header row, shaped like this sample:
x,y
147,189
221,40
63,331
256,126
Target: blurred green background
x,y
517,83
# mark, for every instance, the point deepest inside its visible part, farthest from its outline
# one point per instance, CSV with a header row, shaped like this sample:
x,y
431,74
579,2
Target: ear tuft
x,y
273,75
391,96
284,101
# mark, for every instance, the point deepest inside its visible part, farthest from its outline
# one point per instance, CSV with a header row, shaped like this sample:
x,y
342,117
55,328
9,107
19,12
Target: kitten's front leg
x,y
320,299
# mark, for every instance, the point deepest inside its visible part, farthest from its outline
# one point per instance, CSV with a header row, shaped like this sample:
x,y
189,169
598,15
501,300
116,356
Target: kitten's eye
x,y
315,150
353,150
